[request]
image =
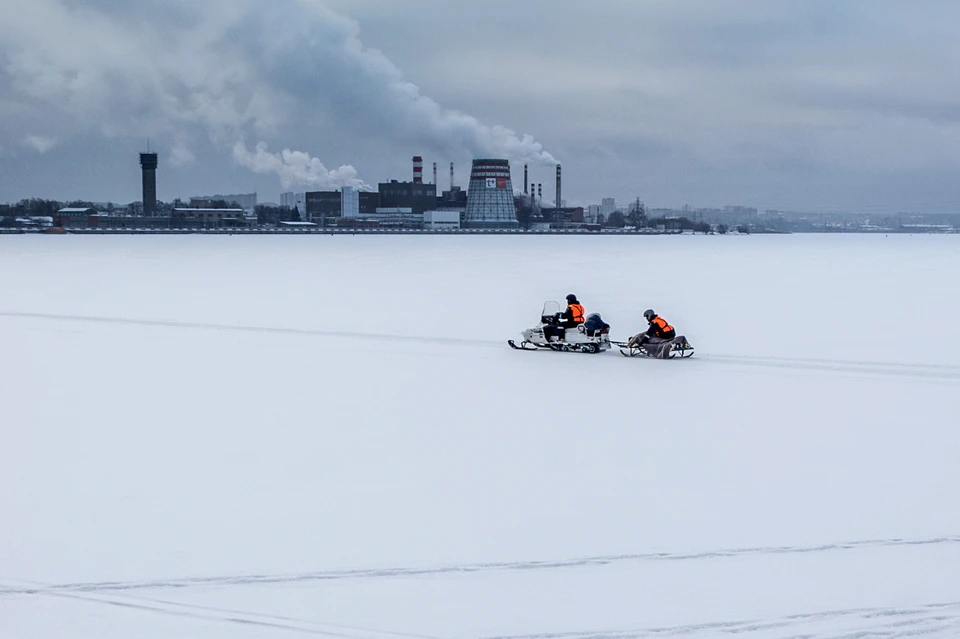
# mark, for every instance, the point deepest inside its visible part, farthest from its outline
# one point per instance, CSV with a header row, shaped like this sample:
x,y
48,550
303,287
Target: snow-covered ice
x,y
253,436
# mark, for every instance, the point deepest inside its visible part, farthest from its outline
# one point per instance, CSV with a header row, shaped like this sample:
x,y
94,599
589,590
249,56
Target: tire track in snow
x,y
941,372
937,619
475,568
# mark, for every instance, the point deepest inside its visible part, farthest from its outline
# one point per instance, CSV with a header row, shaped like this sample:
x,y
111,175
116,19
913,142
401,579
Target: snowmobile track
x,y
934,619
939,619
903,370
395,572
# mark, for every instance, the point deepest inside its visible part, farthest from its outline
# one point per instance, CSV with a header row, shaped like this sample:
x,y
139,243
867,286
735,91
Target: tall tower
x,y
451,176
526,176
434,172
148,165
490,202
417,169
559,201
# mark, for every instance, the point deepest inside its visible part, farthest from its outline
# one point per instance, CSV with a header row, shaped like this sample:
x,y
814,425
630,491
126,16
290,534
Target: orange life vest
x,y
661,324
577,313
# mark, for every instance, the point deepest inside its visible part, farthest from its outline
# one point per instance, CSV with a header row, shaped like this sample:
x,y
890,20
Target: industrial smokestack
x,y
434,173
540,191
525,179
451,176
559,201
417,169
148,164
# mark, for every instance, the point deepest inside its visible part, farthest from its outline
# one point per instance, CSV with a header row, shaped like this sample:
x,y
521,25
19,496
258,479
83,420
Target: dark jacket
x,y
594,323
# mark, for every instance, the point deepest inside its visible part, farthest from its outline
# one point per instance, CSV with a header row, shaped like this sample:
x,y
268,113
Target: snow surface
x,y
260,436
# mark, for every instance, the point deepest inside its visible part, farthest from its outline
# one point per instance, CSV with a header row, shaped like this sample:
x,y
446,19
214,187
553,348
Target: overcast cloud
x,y
772,103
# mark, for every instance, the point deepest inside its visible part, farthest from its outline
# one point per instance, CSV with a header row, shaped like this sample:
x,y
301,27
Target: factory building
x,y
329,207
455,198
490,202
441,220
120,221
210,218
417,196
323,206
564,217
71,217
246,201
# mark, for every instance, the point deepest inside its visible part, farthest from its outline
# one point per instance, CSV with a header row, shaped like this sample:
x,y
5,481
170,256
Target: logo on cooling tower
x,y
491,183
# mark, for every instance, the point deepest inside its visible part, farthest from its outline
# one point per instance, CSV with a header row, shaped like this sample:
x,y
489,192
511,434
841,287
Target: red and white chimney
x,y
417,169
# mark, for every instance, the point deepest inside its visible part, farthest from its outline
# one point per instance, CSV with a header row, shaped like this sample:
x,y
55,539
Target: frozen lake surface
x,y
254,436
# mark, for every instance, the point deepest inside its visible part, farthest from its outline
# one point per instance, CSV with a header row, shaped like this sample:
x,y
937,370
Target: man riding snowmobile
x,y
570,318
659,331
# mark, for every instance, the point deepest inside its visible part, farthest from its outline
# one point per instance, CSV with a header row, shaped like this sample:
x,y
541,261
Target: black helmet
x,y
571,298
649,314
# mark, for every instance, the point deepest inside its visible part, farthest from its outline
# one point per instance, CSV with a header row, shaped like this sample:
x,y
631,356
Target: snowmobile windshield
x,y
550,309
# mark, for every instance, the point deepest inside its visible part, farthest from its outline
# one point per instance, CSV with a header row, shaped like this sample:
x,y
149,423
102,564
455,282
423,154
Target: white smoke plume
x,y
369,87
296,168
232,70
39,143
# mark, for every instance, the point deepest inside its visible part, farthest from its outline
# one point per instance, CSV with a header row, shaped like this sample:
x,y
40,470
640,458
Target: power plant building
x,y
416,196
323,206
490,202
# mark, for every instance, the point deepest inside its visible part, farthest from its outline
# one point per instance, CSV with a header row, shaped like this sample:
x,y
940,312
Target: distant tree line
x,y
33,207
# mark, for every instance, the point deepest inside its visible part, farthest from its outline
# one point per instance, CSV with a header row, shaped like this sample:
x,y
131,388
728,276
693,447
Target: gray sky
x,y
812,105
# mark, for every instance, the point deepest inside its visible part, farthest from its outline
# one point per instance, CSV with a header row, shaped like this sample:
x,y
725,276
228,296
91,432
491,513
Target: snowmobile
x,y
592,336
676,348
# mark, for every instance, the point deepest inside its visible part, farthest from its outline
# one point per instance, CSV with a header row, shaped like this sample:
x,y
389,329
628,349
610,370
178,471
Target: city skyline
x,y
771,105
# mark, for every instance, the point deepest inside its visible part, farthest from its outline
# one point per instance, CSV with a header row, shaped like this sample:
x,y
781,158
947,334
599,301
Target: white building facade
x,y
349,202
441,220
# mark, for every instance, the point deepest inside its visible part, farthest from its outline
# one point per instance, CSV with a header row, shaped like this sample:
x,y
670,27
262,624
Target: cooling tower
x,y
490,196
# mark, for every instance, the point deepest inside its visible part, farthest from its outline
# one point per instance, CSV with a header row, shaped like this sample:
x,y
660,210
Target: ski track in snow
x,y
381,573
930,372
